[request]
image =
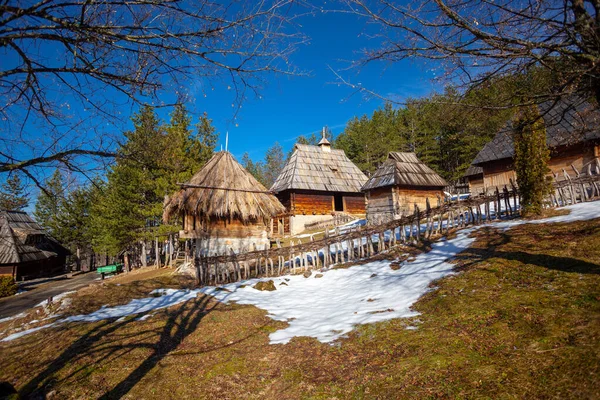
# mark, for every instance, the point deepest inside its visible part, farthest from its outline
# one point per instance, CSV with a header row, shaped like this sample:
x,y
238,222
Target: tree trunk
x,y
78,260
157,254
144,254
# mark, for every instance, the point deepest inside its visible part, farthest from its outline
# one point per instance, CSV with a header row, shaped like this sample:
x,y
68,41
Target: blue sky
x,y
288,106
300,105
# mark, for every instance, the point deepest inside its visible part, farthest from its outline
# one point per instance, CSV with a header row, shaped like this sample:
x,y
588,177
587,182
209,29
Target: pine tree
x,y
531,159
154,159
48,205
274,163
202,144
255,168
74,222
12,194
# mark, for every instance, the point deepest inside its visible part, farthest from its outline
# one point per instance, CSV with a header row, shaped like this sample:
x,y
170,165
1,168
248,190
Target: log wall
x,y
498,173
567,158
314,203
380,205
233,229
354,203
476,186
408,197
10,270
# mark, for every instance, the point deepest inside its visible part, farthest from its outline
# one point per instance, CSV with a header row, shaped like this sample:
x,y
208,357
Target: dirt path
x,y
36,293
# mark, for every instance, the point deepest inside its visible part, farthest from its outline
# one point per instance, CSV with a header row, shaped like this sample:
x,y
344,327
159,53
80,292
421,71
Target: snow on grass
x,y
328,307
21,315
164,298
56,298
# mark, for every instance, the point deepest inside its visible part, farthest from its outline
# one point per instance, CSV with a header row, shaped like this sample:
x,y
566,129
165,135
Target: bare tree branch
x,y
70,63
476,40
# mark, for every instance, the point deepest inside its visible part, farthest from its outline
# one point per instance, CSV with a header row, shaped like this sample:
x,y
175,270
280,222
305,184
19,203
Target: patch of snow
x,y
21,315
329,307
55,299
144,317
170,297
27,332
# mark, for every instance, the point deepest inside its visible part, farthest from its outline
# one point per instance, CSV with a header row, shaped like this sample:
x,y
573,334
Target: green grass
x,y
520,320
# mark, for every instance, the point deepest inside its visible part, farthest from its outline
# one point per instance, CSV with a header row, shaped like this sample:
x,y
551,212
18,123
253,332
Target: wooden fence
x,y
365,241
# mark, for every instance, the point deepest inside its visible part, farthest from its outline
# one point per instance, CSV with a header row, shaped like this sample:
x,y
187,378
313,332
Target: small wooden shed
x,y
316,183
223,207
572,135
474,177
26,250
398,184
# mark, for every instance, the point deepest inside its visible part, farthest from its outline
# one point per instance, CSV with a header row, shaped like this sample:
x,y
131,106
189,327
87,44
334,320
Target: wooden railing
x,y
339,218
359,242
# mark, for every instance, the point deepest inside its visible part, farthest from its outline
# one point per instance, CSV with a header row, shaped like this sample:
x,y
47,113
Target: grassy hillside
x,y
520,320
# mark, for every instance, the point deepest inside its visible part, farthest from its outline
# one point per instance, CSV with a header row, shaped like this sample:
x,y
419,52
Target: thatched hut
x,y
26,250
224,208
317,182
572,135
398,184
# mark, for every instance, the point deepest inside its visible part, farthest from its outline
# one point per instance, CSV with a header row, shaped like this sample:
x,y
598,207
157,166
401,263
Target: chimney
x,y
324,143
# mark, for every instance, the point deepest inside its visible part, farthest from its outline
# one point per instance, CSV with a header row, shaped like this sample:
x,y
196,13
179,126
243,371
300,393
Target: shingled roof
x,y
568,122
473,170
404,169
316,168
24,240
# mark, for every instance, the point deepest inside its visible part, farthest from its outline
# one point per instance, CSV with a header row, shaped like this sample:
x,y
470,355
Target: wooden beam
x,y
188,185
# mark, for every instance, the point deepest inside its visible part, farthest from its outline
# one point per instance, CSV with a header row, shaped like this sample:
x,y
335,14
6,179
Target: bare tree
x,y
71,67
474,41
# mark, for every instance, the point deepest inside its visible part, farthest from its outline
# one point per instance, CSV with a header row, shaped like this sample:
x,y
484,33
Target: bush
x,y
8,286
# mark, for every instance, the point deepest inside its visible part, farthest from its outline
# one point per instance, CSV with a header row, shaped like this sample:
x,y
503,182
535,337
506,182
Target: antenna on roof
x,y
323,132
226,140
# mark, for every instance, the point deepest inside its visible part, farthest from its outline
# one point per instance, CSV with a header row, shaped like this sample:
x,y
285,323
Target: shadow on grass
x,y
495,239
181,322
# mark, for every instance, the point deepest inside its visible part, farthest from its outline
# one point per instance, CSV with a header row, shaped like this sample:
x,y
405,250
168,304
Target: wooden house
x,y
398,184
26,250
317,182
572,135
474,177
223,207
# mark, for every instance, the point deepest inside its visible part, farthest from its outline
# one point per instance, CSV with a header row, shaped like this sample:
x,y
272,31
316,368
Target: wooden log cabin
x,y
26,250
316,183
474,177
224,208
572,135
398,184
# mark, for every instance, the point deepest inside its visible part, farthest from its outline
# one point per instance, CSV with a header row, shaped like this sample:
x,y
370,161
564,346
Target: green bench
x,y
109,269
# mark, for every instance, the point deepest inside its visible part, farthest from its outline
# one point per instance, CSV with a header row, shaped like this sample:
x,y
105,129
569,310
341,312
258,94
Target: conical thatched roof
x,y
223,189
404,169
